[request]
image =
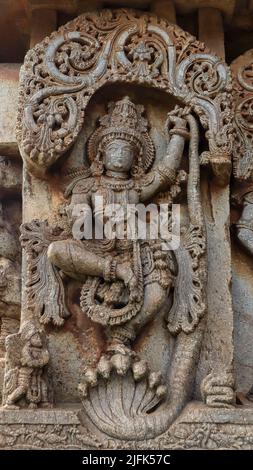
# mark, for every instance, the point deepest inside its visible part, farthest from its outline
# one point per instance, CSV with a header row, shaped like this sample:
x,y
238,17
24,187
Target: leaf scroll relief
x,y
61,74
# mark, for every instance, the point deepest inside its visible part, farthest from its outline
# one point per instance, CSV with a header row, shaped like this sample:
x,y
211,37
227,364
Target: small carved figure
x,y
26,380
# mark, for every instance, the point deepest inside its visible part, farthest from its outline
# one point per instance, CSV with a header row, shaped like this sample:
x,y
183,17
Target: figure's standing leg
x,y
45,402
119,355
121,337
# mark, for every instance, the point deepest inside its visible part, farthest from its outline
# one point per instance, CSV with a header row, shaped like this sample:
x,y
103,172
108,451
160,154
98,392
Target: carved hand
x,y
177,121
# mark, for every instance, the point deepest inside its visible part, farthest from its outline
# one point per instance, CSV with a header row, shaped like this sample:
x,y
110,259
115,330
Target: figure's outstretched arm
x,y
165,172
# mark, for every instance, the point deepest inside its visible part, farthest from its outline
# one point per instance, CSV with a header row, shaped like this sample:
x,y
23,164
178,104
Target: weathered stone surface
x,y
10,176
9,77
243,312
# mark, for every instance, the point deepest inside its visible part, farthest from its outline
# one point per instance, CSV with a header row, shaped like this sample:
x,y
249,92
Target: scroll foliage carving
x,y
61,73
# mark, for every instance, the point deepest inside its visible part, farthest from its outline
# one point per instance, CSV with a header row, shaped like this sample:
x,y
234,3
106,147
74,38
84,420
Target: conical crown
x,y
126,114
124,120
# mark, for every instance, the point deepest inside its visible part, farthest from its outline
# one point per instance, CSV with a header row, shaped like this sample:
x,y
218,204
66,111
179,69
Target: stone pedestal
x,y
58,428
198,427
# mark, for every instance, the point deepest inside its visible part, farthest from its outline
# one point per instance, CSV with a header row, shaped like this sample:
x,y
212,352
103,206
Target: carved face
x,y
119,155
36,340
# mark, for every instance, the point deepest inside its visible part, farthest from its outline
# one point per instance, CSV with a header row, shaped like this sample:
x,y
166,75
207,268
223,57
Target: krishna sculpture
x,y
126,282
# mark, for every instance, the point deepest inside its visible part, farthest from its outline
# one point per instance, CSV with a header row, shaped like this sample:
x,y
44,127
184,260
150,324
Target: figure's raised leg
x,y
74,260
77,262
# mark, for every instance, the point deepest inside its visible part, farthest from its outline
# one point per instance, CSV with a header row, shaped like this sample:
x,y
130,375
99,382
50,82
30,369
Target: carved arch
x,y
60,75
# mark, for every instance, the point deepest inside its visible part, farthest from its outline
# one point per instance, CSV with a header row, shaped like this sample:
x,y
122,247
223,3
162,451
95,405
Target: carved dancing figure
x,y
127,282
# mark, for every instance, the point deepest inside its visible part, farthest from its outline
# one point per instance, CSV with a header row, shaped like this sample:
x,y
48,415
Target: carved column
x,y
218,347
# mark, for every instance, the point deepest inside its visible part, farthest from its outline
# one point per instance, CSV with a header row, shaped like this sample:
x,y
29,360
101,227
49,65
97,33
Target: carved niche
x,y
93,96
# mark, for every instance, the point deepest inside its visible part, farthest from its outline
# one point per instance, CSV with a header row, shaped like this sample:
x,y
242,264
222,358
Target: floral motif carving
x,y
47,436
61,73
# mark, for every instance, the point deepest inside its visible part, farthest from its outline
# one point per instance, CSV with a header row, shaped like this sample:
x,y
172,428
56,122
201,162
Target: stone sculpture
x,y
88,129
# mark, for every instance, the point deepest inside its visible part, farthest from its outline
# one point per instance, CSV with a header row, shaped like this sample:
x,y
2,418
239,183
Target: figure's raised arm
x,y
165,172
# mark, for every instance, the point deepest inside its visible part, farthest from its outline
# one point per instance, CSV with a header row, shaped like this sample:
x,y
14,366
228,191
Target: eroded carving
x,y
26,358
218,389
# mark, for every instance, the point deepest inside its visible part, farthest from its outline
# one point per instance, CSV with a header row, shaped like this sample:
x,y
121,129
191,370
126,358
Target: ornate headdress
x,y
124,121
